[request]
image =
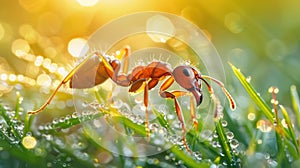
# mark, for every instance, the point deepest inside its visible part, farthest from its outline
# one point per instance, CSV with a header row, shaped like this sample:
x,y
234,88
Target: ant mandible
x,y
142,78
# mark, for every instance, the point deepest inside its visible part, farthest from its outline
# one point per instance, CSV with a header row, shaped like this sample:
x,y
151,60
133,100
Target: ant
x,y
142,78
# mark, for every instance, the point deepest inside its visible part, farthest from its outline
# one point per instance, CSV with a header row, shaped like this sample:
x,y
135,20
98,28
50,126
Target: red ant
x,y
143,78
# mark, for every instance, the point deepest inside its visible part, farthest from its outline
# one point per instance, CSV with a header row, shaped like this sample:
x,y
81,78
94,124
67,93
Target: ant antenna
x,y
229,97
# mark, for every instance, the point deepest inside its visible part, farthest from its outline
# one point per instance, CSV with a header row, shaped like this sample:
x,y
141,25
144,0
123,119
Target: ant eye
x,y
186,72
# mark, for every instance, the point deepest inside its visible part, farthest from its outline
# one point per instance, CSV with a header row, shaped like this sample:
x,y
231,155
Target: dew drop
x,y
248,79
49,164
41,128
68,117
251,116
75,115
272,163
267,156
214,144
154,127
55,121
234,143
259,141
85,104
224,123
284,123
14,121
198,155
215,135
62,119
229,135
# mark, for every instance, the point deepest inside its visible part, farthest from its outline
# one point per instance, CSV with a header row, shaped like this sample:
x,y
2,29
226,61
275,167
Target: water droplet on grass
x,y
75,115
229,135
234,143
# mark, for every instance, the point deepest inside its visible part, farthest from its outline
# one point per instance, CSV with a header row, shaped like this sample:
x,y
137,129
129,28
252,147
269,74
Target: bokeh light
x,y
264,126
28,33
78,47
33,5
234,23
2,32
160,28
44,80
29,142
20,47
87,3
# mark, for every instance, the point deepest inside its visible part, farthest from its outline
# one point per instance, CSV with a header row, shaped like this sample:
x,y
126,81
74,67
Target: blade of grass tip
x,y
224,142
290,127
27,123
253,94
296,104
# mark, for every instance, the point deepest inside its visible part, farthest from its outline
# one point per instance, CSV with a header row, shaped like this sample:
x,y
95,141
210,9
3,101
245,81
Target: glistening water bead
x,y
234,143
229,135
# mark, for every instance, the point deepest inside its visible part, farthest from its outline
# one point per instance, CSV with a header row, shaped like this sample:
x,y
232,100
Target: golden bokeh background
x,y
41,41
40,37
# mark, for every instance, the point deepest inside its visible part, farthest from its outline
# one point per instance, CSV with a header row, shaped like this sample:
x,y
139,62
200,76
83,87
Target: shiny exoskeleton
x,y
97,68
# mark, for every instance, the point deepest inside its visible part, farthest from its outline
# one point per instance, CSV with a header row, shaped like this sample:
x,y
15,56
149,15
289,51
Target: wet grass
x,y
269,140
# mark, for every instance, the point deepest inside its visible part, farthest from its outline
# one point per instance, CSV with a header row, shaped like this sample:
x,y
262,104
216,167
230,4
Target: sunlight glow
x,y
2,32
160,28
20,47
78,47
44,80
87,3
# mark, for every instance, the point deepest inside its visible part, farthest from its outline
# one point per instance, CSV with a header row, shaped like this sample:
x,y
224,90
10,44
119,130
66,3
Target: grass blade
x,y
253,94
224,142
290,127
296,104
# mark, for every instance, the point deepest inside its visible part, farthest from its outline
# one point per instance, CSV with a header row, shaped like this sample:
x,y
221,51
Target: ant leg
x,y
229,97
173,95
146,99
64,81
192,112
125,52
112,68
108,67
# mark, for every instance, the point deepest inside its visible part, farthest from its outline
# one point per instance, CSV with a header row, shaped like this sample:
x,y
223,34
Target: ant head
x,y
188,78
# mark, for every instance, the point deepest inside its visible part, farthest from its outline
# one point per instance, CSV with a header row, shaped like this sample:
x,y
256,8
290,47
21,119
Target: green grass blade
x,y
224,142
296,104
290,127
253,94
